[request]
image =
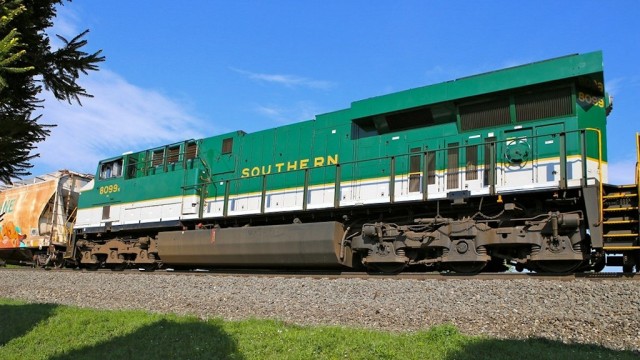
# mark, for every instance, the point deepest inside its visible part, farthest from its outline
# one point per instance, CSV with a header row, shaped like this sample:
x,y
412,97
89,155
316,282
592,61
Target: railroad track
x,y
360,275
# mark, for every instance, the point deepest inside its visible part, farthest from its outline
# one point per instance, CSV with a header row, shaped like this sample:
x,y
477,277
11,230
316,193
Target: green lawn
x,y
47,331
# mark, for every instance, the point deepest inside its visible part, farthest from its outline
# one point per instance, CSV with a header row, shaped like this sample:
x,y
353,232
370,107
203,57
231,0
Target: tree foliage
x,y
29,64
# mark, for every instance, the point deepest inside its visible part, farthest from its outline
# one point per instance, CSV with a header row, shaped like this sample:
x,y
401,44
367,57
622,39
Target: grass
x,y
47,331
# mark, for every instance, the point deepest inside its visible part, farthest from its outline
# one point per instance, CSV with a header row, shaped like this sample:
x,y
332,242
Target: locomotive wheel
x,y
386,268
558,266
469,267
496,265
119,267
147,267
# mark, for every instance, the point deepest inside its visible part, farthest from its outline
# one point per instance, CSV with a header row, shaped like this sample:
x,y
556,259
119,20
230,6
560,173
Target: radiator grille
x,y
157,157
545,104
486,114
191,151
173,155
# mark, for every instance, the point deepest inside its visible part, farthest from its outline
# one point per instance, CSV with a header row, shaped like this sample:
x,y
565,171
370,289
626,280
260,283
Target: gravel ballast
x,y
603,312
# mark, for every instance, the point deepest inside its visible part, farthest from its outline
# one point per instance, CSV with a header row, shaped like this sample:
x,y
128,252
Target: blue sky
x,y
190,69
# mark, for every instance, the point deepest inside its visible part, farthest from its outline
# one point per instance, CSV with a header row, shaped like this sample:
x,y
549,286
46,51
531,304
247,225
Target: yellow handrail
x,y
600,205
638,161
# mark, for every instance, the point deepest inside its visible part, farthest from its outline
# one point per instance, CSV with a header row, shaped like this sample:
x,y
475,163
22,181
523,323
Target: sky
x,y
178,70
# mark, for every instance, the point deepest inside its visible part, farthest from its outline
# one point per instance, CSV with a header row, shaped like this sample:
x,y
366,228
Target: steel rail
x,y
617,276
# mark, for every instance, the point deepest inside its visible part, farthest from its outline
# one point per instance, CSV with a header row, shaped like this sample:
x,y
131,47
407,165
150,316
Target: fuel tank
x,y
312,245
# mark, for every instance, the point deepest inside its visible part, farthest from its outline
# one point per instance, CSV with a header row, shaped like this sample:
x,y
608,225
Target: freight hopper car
x,y
507,167
37,216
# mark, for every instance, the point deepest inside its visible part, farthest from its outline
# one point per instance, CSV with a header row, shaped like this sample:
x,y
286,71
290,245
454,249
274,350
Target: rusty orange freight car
x,y
37,216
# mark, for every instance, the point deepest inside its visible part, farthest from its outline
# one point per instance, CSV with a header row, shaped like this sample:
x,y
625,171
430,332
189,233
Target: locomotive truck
x,y
503,168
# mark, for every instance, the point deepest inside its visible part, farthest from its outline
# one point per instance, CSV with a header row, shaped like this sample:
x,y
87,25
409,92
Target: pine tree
x,y
27,64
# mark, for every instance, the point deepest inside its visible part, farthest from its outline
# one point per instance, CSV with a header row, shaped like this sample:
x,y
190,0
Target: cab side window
x,y
111,169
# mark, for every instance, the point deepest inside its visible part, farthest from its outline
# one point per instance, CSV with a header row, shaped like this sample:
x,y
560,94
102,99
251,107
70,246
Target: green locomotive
x,y
506,167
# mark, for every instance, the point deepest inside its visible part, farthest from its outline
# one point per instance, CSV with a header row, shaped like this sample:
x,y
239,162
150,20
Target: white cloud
x,y
300,111
286,80
65,25
442,73
614,85
622,172
272,112
120,117
510,63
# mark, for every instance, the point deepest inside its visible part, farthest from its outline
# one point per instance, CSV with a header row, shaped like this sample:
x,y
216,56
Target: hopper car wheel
x,y
470,267
59,261
558,266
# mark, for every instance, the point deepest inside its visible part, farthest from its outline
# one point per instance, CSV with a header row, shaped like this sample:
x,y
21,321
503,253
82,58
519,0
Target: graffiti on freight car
x,y
7,206
25,209
301,164
10,236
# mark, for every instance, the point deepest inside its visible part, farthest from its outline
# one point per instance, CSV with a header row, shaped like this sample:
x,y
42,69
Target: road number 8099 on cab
x,y
109,189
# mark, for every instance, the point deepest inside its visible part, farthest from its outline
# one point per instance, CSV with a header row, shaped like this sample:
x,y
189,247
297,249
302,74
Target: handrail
x,y
600,203
407,154
143,165
392,158
638,161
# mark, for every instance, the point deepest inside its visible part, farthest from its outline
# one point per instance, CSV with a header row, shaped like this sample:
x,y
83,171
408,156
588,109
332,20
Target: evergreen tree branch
x,y
26,61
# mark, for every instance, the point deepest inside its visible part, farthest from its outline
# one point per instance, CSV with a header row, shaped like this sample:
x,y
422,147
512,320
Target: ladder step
x,y
628,208
620,196
630,186
621,248
619,222
619,235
